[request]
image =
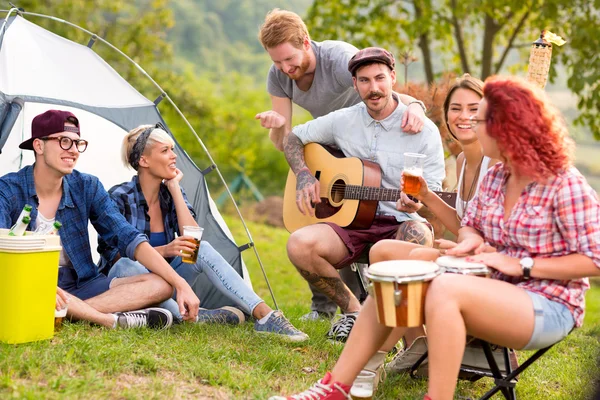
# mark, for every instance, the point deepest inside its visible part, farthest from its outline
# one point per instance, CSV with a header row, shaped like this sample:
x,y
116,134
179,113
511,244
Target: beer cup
x,y
413,169
196,233
363,386
59,315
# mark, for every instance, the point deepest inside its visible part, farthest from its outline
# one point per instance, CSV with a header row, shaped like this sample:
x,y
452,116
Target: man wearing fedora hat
x,y
315,76
369,130
56,191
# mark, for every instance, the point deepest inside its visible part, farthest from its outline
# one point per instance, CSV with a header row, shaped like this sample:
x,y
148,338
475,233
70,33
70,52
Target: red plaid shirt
x,y
550,219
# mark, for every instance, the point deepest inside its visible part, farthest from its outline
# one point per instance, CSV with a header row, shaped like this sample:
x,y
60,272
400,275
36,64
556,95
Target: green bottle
x,y
20,227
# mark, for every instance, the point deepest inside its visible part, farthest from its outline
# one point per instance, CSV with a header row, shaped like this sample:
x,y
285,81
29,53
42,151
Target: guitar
x,y
350,191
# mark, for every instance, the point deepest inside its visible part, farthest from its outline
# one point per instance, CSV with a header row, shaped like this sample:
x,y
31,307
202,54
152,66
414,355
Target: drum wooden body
x,y
458,265
399,288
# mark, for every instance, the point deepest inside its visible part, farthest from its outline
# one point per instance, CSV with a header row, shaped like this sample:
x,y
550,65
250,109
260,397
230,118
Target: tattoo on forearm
x,y
294,152
415,232
333,288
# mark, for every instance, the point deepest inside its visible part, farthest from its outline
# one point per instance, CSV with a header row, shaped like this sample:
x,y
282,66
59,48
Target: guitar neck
x,y
355,192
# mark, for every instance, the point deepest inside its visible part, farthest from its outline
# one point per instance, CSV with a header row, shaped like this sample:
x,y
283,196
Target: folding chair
x,y
504,382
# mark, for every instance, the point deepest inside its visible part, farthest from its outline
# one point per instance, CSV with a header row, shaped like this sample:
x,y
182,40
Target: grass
x,y
216,362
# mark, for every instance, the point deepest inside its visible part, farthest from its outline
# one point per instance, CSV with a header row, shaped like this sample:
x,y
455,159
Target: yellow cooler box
x,y
28,279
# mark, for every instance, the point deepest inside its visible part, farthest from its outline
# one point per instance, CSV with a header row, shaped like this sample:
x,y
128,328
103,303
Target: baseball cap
x,y
371,55
52,121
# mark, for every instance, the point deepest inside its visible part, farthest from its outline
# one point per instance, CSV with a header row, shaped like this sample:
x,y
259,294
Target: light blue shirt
x,y
357,134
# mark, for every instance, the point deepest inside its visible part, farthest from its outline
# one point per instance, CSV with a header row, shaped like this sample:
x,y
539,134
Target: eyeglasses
x,y
66,143
474,121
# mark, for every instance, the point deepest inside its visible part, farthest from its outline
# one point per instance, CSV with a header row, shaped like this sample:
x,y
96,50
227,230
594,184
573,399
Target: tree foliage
x,y
479,37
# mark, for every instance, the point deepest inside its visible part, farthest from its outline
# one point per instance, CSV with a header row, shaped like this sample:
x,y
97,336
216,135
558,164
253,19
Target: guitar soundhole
x,y
337,191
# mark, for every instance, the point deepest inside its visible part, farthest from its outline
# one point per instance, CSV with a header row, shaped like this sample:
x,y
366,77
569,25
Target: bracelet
x,y
419,102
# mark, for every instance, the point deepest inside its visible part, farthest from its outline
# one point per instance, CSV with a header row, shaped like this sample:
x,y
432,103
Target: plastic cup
x,y
363,386
413,170
196,233
59,315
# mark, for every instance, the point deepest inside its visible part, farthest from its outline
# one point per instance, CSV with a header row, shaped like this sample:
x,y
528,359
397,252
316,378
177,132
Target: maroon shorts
x,y
358,240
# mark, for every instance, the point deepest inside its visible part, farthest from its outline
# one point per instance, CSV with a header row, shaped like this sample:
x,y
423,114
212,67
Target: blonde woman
x,y
155,204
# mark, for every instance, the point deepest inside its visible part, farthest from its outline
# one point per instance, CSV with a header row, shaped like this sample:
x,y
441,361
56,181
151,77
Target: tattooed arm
x,y
307,187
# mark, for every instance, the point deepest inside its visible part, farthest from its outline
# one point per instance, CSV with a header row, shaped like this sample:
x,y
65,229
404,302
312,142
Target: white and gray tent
x,y
37,73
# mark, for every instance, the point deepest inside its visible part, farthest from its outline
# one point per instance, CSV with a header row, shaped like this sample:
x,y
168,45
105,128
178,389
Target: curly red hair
x,y
529,131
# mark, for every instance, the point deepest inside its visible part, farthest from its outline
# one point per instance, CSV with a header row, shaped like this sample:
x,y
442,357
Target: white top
x,y
44,225
460,211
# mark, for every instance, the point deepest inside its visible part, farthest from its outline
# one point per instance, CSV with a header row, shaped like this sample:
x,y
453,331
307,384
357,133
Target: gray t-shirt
x,y
332,88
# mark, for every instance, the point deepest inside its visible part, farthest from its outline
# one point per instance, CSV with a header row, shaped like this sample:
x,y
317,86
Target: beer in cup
x,y
413,169
362,388
196,233
59,315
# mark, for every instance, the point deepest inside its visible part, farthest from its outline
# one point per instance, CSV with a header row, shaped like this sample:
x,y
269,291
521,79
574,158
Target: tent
x,y
38,72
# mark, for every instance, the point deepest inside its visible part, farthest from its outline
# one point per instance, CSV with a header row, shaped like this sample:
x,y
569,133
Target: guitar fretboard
x,y
355,192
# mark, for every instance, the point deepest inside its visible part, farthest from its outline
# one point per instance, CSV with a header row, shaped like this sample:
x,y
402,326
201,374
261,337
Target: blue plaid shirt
x,y
131,202
83,199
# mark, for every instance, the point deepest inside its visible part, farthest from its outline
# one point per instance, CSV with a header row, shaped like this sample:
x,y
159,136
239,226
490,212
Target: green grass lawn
x,y
216,362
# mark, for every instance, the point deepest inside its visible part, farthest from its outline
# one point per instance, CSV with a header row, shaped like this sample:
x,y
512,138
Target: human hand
x,y
445,245
187,301
271,119
180,245
62,299
405,204
173,184
413,119
500,262
308,192
473,244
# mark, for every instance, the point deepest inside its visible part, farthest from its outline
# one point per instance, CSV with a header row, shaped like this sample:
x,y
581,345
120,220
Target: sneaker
x,y
322,390
155,318
340,329
223,315
279,325
317,316
404,360
376,365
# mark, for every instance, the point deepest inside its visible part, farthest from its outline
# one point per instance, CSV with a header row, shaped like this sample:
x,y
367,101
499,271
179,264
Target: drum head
x,y
459,263
402,268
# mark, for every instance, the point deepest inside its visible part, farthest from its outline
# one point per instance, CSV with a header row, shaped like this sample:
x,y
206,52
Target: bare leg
x,y
132,293
80,310
365,339
415,232
457,305
314,250
261,310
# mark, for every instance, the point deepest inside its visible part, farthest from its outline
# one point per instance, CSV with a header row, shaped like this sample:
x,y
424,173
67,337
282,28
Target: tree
x,y
479,37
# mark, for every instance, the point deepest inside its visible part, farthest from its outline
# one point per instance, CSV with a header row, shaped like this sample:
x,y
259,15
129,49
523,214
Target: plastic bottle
x,y
20,227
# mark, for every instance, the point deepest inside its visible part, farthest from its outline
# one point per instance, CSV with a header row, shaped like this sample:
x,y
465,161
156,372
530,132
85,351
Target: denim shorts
x,y
553,322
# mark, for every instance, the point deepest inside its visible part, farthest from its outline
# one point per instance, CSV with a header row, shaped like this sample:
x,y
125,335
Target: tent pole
x,y
182,117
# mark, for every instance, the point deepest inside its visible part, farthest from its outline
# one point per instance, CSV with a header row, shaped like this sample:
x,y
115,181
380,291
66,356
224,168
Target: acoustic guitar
x,y
350,190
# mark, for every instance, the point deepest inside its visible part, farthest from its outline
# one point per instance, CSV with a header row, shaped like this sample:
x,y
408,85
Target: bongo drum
x,y
458,265
398,288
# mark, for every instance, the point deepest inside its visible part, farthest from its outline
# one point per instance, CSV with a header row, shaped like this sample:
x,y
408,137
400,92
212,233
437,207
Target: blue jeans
x,y
214,266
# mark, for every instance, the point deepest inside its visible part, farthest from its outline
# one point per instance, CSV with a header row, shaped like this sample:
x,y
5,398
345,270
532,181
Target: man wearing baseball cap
x,y
315,76
58,192
371,131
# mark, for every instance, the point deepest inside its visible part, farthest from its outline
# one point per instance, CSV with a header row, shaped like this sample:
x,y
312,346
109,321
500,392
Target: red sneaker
x,y
322,390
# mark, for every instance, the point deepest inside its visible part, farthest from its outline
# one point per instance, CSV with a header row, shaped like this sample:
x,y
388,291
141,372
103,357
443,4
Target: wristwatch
x,y
526,266
419,102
